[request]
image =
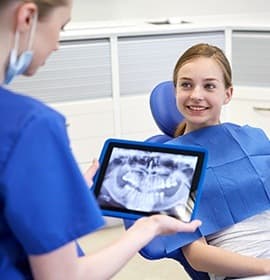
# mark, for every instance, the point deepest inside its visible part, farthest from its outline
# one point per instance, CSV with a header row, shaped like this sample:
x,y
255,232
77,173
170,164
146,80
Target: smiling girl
x,y
236,242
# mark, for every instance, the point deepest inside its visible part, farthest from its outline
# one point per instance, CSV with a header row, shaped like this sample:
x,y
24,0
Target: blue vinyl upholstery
x,y
167,117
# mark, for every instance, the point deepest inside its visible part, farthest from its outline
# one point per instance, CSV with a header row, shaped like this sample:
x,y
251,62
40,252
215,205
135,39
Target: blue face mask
x,y
19,64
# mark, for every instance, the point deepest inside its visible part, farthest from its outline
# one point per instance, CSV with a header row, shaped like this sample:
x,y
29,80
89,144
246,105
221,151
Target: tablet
x,y
141,178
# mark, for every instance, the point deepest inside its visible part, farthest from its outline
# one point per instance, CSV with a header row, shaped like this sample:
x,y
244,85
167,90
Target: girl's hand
x,y
90,172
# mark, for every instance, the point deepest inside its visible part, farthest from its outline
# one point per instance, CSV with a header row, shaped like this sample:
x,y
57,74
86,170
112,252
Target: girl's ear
x,y
228,95
25,15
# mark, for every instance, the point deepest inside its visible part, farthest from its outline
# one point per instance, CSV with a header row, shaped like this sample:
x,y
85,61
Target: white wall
x,y
85,10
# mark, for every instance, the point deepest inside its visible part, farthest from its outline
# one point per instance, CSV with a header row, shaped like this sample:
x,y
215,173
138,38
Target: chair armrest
x,y
156,250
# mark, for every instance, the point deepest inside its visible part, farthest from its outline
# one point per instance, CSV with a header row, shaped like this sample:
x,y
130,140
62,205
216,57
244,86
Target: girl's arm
x,y
211,259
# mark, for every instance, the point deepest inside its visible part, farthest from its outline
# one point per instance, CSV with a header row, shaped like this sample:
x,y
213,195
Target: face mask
x,y
19,64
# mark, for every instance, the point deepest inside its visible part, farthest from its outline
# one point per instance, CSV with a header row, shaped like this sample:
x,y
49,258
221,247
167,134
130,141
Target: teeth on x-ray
x,y
149,181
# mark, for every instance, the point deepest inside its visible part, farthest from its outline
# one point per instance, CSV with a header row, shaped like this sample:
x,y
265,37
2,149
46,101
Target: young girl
x,y
202,78
45,203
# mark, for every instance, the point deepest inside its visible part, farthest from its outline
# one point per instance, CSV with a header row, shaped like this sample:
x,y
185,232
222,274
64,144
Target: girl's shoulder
x,y
245,130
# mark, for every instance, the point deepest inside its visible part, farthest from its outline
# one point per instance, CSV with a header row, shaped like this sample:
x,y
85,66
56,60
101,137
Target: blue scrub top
x,y
44,200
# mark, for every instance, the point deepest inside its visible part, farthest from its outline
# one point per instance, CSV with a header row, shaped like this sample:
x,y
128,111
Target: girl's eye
x,y
185,85
210,86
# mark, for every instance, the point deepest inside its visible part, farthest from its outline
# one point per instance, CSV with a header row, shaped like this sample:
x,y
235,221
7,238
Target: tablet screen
x,y
139,178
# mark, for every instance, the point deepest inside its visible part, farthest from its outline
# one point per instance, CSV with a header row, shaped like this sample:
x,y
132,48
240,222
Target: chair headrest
x,y
163,107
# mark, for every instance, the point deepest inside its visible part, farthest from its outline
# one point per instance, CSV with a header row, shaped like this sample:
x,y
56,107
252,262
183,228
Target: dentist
x,y
45,203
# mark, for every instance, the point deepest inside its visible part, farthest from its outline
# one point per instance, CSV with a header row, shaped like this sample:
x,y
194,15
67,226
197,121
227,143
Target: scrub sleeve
x,y
47,201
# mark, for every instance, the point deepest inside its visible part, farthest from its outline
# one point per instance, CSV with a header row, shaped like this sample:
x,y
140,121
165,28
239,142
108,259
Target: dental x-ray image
x,y
149,181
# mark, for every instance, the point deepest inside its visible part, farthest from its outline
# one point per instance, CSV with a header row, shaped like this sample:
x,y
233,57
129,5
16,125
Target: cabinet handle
x,y
263,109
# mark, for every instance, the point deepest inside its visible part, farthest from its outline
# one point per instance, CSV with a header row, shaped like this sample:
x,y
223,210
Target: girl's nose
x,y
196,94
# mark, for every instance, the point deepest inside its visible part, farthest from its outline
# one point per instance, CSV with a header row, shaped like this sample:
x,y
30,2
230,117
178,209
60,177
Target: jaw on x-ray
x,y
149,182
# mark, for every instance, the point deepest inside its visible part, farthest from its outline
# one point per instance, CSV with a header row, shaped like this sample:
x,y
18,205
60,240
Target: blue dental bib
x,y
237,178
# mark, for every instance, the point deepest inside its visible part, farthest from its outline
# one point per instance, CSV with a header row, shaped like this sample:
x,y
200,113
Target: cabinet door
x,y
251,58
89,124
77,81
79,70
252,112
136,119
145,61
251,68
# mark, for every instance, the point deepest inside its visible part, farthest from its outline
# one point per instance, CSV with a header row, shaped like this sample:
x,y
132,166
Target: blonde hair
x,y
203,50
44,6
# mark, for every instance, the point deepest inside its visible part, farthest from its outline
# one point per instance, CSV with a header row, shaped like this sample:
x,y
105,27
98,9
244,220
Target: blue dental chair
x,y
167,117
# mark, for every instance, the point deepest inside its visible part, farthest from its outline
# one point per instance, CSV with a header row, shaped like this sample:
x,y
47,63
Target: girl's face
x,y
46,38
201,92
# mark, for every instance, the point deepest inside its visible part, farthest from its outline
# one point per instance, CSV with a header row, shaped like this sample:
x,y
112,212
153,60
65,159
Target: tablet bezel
x,y
104,160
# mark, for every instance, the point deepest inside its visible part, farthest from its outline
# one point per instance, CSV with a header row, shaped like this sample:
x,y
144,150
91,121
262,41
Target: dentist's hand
x,y
162,224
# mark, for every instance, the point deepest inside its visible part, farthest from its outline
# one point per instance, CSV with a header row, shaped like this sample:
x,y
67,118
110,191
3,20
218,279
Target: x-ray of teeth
x,y
149,182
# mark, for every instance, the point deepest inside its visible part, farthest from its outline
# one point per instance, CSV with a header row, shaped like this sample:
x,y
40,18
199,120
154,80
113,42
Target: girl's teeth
x,y
196,108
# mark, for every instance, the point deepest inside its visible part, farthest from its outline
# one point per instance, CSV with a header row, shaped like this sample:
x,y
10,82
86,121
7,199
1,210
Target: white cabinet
x,y
89,123
77,81
251,58
80,70
101,83
251,69
145,61
136,119
251,106
253,112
